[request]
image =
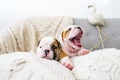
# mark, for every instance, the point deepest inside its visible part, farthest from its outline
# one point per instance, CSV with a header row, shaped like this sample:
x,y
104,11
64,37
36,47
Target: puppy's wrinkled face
x,y
49,48
72,36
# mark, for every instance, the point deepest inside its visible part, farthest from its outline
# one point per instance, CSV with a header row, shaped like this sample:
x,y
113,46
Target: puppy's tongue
x,y
76,41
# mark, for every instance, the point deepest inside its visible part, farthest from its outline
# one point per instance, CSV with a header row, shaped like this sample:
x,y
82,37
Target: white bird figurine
x,y
96,19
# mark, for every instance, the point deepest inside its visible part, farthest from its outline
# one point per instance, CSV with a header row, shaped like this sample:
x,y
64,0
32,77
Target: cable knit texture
x,y
25,33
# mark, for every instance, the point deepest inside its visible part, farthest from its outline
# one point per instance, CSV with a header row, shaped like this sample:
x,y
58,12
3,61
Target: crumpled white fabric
x,y
28,66
98,65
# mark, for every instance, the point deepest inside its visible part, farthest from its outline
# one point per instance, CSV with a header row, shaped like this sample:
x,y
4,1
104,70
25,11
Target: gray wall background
x,y
91,36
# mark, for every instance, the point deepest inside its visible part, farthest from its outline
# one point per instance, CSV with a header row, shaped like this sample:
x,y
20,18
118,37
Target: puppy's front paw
x,y
67,62
68,65
83,52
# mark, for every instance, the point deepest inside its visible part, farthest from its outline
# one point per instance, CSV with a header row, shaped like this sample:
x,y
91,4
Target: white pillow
x,y
98,65
28,66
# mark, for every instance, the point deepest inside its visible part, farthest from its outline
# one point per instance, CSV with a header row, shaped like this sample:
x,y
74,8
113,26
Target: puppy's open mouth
x,y
76,40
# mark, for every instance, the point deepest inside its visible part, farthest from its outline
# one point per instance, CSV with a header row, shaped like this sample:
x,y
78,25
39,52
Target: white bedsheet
x,y
28,66
98,65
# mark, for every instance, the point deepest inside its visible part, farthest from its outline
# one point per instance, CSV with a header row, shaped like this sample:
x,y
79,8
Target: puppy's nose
x,y
80,30
47,51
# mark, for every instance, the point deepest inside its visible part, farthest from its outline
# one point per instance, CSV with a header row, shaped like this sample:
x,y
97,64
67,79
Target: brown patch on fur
x,y
57,49
65,33
62,54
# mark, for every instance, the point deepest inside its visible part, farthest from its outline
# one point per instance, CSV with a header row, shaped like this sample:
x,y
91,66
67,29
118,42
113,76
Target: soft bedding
x,y
28,66
98,65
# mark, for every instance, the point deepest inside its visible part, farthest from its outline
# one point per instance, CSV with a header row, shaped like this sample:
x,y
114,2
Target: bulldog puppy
x,y
70,40
50,48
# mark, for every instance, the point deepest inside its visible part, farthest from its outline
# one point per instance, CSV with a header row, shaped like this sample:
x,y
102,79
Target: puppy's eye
x,y
54,47
69,29
40,46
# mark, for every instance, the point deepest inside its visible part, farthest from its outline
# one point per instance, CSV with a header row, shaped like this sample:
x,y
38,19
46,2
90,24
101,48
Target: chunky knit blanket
x,y
24,34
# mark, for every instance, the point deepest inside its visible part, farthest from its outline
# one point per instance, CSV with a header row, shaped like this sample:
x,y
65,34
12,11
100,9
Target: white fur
x,y
45,44
66,45
67,62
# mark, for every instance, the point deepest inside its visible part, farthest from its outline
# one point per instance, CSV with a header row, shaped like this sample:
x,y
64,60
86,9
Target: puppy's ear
x,y
38,42
59,45
58,50
64,34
